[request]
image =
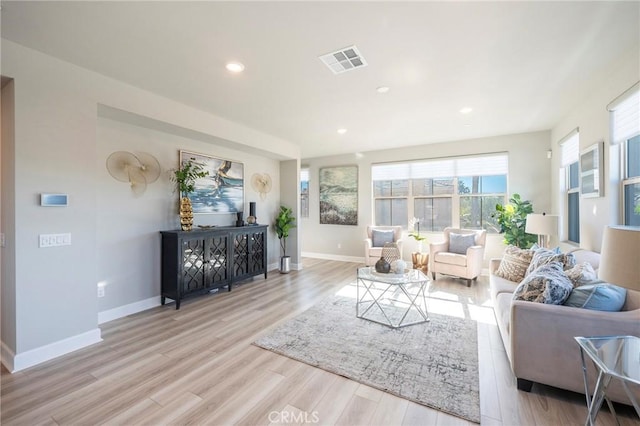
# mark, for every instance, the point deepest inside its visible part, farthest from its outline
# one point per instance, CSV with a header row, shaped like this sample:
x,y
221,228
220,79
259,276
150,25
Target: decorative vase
x,y
420,261
382,266
399,266
186,214
285,264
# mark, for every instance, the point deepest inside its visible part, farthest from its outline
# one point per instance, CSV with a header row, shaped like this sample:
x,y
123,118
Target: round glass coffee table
x,y
394,300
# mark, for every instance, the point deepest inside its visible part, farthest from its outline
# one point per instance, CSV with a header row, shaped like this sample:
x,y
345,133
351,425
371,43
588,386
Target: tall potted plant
x,y
512,219
185,179
283,224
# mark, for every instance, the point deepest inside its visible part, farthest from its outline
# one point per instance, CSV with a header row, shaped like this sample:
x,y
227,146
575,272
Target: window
x,y
460,192
570,153
304,192
625,130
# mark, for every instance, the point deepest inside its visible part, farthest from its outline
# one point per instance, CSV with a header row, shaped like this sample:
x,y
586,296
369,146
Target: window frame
x,y
627,180
454,196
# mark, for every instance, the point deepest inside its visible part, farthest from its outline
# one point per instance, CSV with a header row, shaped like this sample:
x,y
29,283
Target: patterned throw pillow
x,y
459,243
581,274
514,263
544,256
547,284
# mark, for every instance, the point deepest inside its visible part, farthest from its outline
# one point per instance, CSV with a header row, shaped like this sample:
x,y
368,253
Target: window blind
x,y
625,117
487,165
570,148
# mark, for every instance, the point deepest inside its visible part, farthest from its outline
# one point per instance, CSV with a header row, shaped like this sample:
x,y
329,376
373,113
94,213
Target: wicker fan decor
x,y
136,169
261,183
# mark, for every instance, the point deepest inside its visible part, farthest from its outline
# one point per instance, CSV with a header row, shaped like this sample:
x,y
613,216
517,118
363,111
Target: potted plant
x,y
512,219
185,179
283,224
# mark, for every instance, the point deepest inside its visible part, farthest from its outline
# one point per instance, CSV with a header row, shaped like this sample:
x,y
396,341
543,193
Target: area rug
x,y
434,363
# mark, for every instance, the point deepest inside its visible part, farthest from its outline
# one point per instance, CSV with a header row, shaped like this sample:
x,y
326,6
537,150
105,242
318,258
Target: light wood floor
x,y
197,366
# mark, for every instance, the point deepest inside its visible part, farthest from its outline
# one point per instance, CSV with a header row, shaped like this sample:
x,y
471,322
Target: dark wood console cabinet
x,y
198,261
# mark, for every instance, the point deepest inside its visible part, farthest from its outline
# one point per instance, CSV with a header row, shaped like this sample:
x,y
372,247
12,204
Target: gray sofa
x,y
538,338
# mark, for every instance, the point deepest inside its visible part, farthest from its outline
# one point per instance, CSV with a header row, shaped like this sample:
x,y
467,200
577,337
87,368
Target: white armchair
x,y
376,237
460,254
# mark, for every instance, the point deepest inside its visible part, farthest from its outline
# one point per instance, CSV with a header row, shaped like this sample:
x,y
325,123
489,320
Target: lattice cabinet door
x,y
217,260
240,254
193,261
257,258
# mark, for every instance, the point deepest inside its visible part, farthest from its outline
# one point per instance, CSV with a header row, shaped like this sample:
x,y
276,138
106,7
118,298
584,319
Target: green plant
x,y
185,176
284,222
512,219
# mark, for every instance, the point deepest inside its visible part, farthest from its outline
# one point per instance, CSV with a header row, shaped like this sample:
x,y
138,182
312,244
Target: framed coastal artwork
x,y
339,195
222,191
591,171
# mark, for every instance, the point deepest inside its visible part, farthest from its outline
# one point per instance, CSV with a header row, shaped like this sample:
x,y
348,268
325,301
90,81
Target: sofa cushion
x,y
545,256
599,296
547,284
459,243
514,263
379,237
581,274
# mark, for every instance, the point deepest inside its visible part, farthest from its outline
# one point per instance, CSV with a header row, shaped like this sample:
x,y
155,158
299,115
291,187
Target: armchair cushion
x,y
380,237
459,243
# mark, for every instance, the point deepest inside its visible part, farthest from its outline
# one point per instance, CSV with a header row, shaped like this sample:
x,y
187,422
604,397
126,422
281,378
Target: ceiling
x,y
521,66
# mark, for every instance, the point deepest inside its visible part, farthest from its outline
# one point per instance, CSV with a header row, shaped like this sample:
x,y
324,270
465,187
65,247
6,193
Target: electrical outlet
x,y
2,240
100,291
339,245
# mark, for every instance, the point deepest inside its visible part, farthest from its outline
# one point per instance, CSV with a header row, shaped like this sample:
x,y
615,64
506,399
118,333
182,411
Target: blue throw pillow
x,y
379,237
599,296
459,243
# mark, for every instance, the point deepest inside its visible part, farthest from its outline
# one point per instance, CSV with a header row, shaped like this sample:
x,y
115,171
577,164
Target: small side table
x,y
613,357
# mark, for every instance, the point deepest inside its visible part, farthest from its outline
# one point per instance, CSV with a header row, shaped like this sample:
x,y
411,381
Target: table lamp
x,y
543,225
619,256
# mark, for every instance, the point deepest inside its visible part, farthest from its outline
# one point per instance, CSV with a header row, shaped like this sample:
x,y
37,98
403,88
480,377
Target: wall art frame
x,y
222,191
592,171
339,195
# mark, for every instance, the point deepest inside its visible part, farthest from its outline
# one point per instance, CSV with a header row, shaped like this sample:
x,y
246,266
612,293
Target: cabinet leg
x,y
524,385
229,287
162,300
177,304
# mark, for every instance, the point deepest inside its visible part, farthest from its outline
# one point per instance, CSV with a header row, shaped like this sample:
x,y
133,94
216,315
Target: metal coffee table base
x,y
387,297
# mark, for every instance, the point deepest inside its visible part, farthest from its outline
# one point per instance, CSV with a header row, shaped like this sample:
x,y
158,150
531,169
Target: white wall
x,y
529,175
128,241
57,150
592,118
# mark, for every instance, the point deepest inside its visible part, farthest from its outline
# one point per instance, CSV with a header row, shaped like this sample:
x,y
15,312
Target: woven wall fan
x,y
261,183
136,169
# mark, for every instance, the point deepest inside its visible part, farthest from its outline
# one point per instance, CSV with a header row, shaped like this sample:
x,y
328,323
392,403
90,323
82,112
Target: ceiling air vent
x,y
346,59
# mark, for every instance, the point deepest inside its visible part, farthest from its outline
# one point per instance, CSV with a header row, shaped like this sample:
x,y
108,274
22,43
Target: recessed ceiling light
x,y
235,67
466,110
342,131
382,89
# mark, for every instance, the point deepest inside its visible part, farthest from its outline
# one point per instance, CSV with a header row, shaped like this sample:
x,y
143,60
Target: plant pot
x,y
285,264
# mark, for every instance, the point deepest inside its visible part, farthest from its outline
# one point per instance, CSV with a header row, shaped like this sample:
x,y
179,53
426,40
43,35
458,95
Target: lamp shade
x,y
542,224
619,256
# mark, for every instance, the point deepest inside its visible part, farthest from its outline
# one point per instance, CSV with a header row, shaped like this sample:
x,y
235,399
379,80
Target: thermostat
x,y
54,200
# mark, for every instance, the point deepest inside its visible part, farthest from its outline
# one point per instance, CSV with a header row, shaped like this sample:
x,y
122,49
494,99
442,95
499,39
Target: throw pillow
x,y
547,284
459,243
535,247
581,274
544,256
379,237
514,263
598,296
